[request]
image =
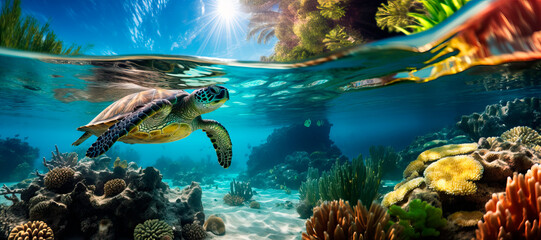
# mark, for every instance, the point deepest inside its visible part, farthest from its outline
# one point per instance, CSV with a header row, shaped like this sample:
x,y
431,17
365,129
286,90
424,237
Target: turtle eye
x,y
213,89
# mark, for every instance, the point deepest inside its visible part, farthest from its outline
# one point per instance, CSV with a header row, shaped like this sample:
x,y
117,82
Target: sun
x,y
227,9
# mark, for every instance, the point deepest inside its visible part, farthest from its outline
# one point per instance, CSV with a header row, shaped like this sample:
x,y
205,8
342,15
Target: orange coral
x,y
517,213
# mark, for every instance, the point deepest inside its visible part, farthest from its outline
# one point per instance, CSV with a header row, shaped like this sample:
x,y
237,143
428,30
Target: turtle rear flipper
x,y
161,107
220,140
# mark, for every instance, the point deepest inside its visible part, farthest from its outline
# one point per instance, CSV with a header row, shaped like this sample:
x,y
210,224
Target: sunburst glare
x,y
223,24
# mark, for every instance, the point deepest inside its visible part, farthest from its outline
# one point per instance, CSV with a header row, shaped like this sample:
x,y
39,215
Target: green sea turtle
x,y
159,116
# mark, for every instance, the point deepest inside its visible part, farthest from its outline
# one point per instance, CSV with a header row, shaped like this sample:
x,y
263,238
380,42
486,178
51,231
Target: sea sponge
x,y
254,204
447,150
153,229
233,200
465,218
416,166
58,177
215,225
399,194
36,230
453,175
337,220
515,214
193,231
113,187
526,135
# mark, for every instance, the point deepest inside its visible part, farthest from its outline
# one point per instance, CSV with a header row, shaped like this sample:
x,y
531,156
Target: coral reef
x,y
526,135
16,158
514,214
453,175
78,209
497,118
36,230
465,218
57,178
60,160
337,220
446,150
153,229
233,200
193,231
421,219
255,204
113,187
241,189
401,191
287,140
215,225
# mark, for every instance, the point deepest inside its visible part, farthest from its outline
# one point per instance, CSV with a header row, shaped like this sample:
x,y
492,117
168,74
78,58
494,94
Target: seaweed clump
x,y
421,220
153,229
37,230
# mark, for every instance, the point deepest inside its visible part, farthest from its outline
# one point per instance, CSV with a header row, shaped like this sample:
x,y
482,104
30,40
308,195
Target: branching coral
x,y
60,160
421,219
526,135
153,229
113,187
515,214
453,175
337,220
399,194
36,230
447,150
58,177
241,189
193,231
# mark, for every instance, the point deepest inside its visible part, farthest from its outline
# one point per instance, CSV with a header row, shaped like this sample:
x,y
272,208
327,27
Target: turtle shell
x,y
122,107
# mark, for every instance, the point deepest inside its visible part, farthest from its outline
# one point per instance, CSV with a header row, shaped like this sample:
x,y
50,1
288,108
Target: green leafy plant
x,y
331,9
394,16
421,219
436,12
337,38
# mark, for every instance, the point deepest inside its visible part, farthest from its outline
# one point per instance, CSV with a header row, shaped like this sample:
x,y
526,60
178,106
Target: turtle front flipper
x,y
126,124
220,140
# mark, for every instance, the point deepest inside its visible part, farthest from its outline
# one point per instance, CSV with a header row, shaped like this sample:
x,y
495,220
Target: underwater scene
x,y
270,119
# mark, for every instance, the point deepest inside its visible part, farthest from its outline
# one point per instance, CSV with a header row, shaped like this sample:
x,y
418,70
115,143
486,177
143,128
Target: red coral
x,y
517,213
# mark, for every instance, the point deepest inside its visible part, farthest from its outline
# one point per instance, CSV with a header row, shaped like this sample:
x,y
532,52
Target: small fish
x,y
16,135
308,122
319,123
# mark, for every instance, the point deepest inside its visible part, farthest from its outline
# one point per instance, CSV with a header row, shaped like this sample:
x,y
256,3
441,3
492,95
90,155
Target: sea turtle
x,y
158,116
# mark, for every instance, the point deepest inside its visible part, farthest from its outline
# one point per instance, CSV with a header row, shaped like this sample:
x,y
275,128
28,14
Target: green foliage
x,y
309,190
311,32
331,9
337,38
394,16
398,14
421,220
388,158
27,34
153,229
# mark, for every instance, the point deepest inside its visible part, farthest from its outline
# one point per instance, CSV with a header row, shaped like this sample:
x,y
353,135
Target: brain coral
x,y
114,187
58,177
453,175
337,220
233,200
447,150
36,230
399,194
515,214
215,224
153,229
526,135
193,231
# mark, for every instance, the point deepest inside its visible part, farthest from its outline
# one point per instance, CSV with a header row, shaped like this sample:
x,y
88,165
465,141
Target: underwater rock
x,y
502,116
80,211
287,140
255,204
215,225
304,209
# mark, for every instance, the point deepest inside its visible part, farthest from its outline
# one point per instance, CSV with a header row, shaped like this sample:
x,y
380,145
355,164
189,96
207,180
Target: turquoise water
x,y
380,93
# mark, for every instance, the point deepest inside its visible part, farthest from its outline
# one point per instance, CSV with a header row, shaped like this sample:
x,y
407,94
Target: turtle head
x,y
210,98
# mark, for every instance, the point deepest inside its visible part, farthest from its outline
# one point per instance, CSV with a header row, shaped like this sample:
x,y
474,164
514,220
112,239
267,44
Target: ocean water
x,y
385,93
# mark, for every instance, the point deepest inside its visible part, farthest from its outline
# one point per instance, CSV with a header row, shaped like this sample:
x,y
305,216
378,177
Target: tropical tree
x,y
26,33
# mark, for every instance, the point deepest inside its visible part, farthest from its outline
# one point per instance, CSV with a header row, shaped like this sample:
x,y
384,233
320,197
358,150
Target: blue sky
x,y
211,28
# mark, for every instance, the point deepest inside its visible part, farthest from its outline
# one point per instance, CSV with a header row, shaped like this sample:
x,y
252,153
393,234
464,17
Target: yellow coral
x,y
447,150
414,166
465,218
121,164
32,230
526,135
453,175
399,194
